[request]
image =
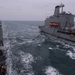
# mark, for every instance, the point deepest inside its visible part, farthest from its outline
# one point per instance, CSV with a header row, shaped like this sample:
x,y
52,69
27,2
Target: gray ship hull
x,y
48,32
3,67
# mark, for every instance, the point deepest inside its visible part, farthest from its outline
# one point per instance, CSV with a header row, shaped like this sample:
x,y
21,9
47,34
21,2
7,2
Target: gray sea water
x,y
28,54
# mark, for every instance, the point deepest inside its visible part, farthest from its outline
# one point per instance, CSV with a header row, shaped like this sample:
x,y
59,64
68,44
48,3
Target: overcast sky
x,y
31,9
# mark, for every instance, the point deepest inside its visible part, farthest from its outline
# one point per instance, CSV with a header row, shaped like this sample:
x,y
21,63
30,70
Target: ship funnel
x,y
57,9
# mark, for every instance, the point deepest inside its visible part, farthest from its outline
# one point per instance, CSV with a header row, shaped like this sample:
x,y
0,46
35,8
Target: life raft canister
x,y
55,24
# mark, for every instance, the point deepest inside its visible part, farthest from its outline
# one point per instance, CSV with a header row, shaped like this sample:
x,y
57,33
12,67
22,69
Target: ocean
x,y
30,53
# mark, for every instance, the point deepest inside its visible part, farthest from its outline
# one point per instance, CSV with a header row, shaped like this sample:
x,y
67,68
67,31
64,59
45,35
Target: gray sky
x,y
31,9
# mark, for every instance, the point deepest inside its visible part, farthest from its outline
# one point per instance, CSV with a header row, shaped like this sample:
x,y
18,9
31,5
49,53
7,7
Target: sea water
x,y
30,53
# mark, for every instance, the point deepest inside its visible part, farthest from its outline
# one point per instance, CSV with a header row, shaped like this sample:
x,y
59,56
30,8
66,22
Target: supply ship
x,y
3,69
60,24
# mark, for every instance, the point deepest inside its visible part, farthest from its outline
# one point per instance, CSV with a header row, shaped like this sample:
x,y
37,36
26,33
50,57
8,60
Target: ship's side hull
x,y
3,68
53,32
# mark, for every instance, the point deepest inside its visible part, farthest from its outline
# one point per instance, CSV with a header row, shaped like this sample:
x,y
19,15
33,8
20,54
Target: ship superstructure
x,y
60,24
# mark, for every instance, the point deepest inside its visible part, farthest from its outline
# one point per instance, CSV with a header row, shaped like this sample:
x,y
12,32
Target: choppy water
x,y
39,56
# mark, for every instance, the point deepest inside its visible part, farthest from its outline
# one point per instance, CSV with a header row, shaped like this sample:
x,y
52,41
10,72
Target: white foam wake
x,y
51,71
26,60
71,53
7,50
